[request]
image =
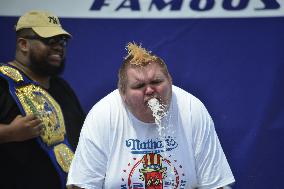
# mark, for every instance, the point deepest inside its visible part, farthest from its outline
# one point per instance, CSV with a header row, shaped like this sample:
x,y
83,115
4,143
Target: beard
x,y
41,66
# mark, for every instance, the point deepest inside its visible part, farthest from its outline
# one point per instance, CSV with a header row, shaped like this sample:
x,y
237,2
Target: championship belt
x,y
34,100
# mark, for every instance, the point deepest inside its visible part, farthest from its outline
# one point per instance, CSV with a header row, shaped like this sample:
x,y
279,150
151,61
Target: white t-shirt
x,y
117,151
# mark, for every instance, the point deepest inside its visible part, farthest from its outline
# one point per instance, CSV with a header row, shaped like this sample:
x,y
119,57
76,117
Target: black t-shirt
x,y
24,165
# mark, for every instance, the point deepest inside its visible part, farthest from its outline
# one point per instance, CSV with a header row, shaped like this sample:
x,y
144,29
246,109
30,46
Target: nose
x,y
149,90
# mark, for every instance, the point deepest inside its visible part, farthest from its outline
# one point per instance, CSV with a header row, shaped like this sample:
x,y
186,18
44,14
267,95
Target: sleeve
x,y
89,165
9,109
212,168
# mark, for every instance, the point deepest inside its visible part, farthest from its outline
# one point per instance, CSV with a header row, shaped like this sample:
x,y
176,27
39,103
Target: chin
x,y
149,118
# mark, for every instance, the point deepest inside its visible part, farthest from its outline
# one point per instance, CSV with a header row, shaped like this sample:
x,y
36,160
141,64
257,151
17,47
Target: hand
x,y
24,128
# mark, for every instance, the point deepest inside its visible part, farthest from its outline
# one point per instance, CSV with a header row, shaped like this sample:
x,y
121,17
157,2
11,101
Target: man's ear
x,y
23,44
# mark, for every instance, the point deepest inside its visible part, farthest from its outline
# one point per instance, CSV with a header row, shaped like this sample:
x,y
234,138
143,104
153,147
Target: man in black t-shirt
x,y
40,115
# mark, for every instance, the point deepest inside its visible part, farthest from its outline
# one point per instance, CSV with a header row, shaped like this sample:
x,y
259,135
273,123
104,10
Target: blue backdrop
x,y
235,66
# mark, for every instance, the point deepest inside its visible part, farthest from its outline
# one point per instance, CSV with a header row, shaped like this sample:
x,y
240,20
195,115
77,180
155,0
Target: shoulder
x,y
58,86
59,81
108,104
193,111
102,115
106,111
186,99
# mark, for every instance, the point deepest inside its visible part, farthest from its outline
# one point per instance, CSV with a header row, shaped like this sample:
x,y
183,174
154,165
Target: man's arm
x,y
73,187
211,161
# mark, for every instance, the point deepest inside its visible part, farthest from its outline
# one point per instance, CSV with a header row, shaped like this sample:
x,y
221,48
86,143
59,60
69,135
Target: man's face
x,y
47,60
144,83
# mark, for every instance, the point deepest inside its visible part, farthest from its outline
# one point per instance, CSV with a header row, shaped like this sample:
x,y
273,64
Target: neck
x,y
42,80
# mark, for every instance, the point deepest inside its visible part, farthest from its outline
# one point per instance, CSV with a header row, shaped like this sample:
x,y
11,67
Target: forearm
x,y
73,187
5,133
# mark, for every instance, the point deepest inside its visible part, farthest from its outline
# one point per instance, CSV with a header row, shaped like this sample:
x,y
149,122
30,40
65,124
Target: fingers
x,y
25,119
26,127
36,125
30,117
34,122
29,120
38,129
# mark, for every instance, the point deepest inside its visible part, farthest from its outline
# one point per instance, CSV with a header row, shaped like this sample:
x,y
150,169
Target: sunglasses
x,y
51,41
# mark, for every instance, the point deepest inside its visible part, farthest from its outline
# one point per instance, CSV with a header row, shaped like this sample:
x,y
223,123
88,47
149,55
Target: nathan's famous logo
x,y
153,171
177,5
151,146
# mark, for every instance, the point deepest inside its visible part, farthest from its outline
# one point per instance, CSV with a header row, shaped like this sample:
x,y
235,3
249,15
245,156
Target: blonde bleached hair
x,y
140,55
137,56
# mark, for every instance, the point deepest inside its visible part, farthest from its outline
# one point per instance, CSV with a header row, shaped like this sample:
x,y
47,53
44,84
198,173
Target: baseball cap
x,y
43,23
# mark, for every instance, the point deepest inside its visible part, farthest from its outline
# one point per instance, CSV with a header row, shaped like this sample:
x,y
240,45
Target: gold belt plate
x,y
12,73
38,102
64,156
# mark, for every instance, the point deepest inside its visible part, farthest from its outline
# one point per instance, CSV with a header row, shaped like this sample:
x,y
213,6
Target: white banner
x,y
147,8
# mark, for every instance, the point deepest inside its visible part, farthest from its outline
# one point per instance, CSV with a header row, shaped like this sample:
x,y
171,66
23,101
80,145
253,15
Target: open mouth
x,y
158,109
153,102
156,106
